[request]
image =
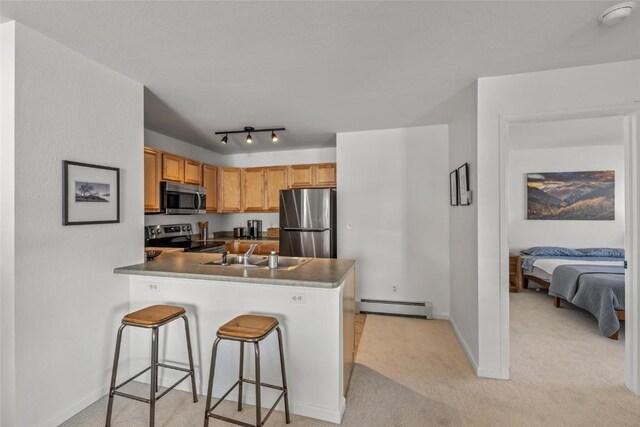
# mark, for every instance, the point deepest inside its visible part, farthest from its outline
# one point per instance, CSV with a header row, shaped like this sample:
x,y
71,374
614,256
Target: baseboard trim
x,y
78,407
441,316
467,351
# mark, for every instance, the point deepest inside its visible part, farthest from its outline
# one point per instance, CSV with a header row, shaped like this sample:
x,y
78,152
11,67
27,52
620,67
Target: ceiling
x,y
318,68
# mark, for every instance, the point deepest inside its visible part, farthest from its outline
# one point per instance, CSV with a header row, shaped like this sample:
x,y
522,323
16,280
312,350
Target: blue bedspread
x,y
597,289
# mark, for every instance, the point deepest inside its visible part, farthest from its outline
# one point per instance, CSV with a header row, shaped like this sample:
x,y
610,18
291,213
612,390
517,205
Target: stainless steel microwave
x,y
182,199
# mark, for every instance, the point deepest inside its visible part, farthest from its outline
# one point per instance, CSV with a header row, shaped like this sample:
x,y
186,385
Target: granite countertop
x,y
318,273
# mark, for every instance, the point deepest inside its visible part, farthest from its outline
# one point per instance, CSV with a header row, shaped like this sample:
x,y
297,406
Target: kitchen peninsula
x,y
314,303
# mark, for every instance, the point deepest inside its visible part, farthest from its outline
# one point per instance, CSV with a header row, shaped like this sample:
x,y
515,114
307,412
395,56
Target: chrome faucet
x,y
248,254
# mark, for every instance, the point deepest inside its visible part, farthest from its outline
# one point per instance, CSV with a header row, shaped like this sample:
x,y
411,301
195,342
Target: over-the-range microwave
x,y
182,199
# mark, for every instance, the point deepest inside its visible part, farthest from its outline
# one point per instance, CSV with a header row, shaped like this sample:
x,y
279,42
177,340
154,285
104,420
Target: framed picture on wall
x,y
463,188
453,188
90,194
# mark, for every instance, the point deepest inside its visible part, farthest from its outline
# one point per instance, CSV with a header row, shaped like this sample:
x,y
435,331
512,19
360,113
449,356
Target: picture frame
x,y
90,194
453,188
464,193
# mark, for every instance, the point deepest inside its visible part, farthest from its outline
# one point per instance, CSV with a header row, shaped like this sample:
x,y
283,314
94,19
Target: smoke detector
x,y
617,13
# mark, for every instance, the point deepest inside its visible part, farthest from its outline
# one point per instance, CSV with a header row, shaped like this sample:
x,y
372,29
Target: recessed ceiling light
x,y
617,13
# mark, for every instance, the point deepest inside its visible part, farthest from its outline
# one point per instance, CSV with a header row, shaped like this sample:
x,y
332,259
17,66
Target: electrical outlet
x,y
154,286
297,299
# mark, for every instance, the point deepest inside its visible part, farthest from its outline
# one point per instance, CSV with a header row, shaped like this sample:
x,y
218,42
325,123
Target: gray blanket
x,y
597,289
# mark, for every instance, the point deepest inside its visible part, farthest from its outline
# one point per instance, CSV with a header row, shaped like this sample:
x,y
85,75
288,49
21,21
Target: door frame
x,y
631,115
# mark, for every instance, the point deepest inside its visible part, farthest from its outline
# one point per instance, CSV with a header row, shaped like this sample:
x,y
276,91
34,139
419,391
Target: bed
x,y
592,279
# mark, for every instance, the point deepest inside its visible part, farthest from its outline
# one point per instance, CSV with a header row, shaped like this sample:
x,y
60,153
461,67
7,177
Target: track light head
x,y
274,137
225,139
249,138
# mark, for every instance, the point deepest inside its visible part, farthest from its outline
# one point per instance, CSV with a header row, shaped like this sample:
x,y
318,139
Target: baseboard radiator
x,y
421,309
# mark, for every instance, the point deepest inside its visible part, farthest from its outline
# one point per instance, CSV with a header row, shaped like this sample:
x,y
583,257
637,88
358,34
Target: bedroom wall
x,y
525,158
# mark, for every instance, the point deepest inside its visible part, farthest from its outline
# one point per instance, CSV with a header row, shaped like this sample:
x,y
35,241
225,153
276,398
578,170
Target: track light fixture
x,y
248,130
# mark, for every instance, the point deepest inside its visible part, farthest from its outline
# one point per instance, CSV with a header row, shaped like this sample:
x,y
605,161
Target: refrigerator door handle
x,y
307,229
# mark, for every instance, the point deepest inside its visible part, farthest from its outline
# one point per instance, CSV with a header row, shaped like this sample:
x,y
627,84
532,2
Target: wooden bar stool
x,y
151,317
248,329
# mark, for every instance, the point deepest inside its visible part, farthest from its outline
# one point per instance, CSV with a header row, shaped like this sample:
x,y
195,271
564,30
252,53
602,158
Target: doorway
x,y
627,119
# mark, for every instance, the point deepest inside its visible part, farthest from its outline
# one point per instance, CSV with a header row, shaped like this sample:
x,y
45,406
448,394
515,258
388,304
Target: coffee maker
x,y
254,228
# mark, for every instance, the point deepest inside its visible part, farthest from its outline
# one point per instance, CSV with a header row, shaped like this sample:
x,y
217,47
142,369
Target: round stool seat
x,y
153,315
248,327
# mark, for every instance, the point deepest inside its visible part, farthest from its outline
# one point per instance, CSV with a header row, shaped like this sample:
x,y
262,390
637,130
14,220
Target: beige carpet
x,y
413,373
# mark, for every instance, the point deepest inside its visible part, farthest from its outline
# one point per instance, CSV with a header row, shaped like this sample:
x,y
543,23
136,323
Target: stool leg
x,y
240,376
214,352
154,376
114,372
157,356
191,370
258,402
284,377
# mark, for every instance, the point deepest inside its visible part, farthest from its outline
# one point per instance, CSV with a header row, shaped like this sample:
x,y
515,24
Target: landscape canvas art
x,y
571,195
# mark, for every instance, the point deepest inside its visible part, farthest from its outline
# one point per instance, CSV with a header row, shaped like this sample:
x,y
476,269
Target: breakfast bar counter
x,y
314,303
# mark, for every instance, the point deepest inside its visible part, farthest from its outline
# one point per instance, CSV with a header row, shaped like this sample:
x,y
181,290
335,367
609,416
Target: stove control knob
x,y
153,231
159,231
184,228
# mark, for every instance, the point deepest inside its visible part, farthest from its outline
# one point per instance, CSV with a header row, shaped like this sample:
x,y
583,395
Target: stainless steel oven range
x,y
179,236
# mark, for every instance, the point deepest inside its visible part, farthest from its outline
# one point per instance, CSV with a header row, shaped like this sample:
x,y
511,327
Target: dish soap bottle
x,y
273,260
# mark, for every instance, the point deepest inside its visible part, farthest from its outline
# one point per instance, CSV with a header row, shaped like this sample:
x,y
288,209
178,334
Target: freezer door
x,y
316,244
307,208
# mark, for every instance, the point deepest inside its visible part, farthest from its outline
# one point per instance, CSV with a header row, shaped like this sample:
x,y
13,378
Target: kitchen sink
x,y
237,261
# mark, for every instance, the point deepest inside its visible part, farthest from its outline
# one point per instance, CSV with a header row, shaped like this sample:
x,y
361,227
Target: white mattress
x,y
548,265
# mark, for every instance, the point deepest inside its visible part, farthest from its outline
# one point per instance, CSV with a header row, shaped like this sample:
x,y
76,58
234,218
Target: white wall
x,y
393,193
68,303
7,224
570,89
463,225
525,233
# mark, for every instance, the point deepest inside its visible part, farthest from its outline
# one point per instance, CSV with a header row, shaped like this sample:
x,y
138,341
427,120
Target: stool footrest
x,y
142,399
241,423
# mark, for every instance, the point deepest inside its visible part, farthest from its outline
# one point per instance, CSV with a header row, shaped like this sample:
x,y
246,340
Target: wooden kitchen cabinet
x,y
253,190
313,175
300,176
152,172
210,183
264,248
229,190
276,178
192,172
172,167
325,175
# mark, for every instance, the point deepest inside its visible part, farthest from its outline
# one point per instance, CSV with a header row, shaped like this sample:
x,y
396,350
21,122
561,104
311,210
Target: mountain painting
x,y
571,195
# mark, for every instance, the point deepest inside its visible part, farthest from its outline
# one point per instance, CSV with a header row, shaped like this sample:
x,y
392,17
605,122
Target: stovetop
x,y
176,236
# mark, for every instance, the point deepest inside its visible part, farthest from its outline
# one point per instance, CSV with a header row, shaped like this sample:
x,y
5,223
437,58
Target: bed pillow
x,y
603,252
552,251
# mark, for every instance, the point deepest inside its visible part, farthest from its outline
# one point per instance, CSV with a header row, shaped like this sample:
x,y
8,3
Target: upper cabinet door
x,y
152,166
192,172
301,176
172,167
253,195
210,183
277,179
325,175
229,190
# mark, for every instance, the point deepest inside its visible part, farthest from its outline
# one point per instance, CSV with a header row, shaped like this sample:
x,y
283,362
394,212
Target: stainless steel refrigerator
x,y
308,222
